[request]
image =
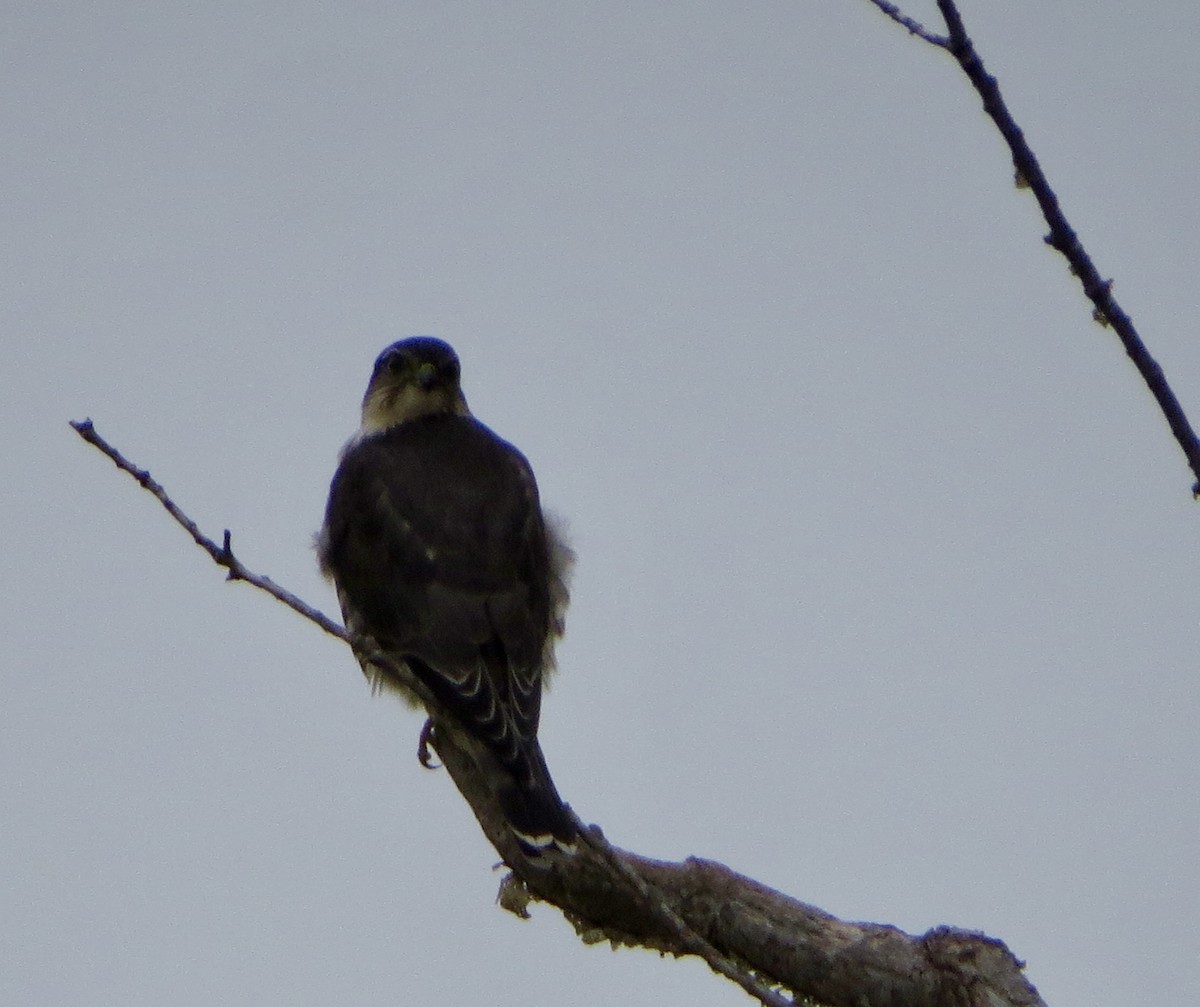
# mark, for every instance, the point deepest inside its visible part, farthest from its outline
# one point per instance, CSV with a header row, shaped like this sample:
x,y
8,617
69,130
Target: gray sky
x,y
887,586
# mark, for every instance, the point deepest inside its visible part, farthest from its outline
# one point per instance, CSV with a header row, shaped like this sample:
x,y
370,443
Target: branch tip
x,y
222,555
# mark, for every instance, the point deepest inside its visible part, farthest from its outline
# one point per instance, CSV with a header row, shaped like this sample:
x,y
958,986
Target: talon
x,y
423,755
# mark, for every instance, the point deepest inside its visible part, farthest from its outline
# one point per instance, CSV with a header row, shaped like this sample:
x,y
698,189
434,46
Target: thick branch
x,y
1062,236
760,939
782,941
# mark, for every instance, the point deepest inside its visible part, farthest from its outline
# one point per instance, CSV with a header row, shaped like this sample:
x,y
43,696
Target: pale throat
x,y
390,405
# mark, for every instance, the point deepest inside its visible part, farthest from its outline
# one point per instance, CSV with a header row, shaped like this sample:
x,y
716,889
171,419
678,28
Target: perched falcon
x,y
449,578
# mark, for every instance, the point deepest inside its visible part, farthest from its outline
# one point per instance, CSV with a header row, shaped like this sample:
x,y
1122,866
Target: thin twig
x,y
914,27
1062,236
222,554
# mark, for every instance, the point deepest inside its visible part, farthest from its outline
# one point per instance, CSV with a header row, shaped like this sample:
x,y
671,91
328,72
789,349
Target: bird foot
x,y
423,755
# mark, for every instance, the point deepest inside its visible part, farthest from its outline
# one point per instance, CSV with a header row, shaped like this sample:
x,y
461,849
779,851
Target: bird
x,y
451,579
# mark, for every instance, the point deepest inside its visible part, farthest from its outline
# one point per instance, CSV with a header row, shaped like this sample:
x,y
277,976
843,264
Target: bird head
x,y
412,378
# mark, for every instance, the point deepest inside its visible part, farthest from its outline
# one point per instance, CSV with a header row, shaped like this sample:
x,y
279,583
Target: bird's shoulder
x,y
433,445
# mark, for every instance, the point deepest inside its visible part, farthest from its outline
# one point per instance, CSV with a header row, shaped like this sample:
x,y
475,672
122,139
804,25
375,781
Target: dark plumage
x,y
448,576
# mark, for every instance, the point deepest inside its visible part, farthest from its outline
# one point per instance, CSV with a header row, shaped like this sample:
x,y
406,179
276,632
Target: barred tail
x,y
531,805
520,779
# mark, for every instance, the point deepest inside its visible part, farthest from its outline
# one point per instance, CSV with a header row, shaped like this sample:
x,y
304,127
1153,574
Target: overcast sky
x,y
887,591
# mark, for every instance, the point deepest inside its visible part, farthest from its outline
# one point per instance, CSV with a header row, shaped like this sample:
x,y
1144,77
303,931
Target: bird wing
x,y
435,537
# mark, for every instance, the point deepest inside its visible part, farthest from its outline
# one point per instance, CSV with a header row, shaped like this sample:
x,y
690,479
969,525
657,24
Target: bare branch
x,y
762,940
1062,236
222,554
686,940
776,939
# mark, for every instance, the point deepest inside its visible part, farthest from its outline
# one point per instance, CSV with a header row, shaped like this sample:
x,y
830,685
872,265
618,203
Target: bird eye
x,y
396,363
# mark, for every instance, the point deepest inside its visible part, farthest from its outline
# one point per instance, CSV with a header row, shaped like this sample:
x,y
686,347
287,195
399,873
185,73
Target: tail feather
x,y
524,789
536,814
